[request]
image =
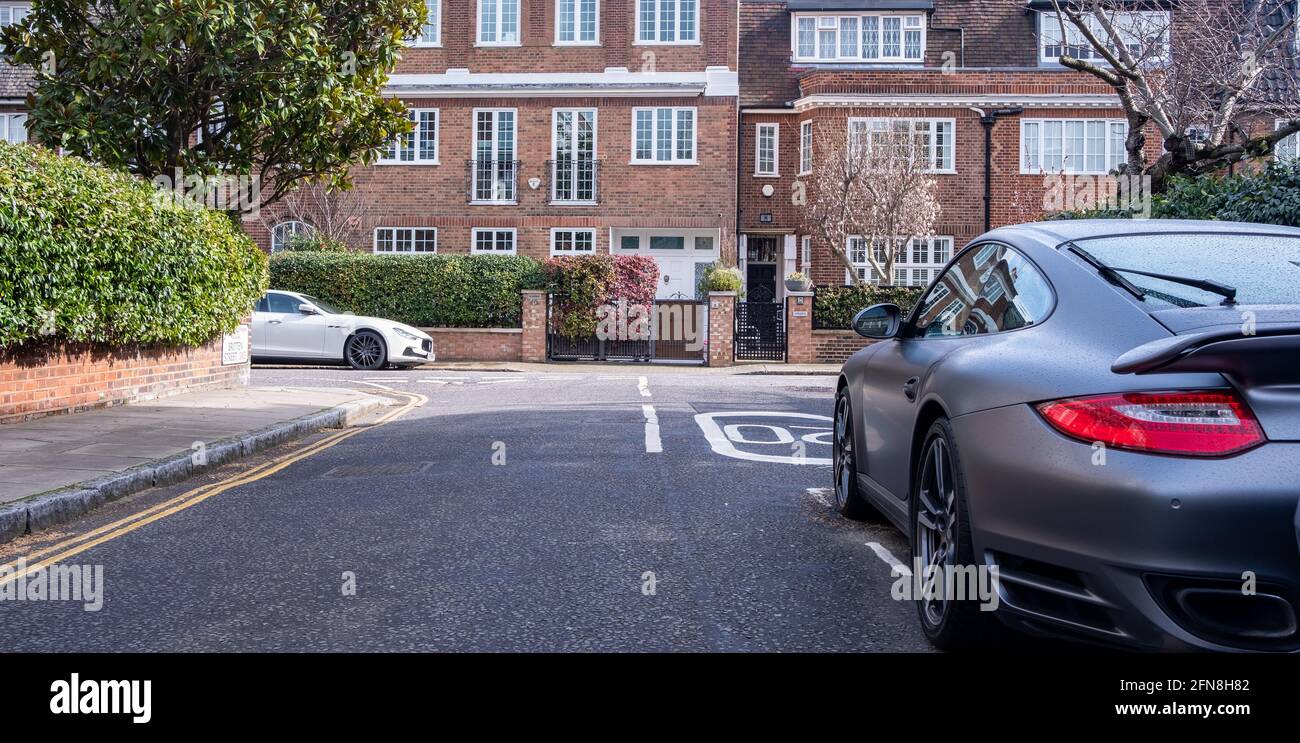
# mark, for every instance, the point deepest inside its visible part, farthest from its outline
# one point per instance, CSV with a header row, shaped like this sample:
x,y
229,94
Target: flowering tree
x,y
336,215
1199,73
875,190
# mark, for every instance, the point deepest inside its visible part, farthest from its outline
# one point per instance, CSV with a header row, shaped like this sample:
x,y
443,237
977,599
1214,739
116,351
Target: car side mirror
x,y
878,322
307,309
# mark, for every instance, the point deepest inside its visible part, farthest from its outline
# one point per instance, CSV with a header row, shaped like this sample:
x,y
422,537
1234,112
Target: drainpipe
x,y
988,120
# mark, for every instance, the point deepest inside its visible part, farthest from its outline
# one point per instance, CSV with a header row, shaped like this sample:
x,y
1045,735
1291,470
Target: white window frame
x,y
416,140
496,231
1115,152
760,131
556,252
903,263
497,32
10,8
410,236
820,23
932,124
1287,149
657,8
297,227
805,148
577,24
654,136
433,7
595,150
7,126
1047,20
496,154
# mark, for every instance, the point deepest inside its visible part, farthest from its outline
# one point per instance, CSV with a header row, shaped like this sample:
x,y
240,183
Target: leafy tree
x,y
284,91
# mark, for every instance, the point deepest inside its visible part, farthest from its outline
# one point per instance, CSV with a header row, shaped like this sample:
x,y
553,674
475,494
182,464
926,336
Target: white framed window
x,y
283,233
1287,149
14,13
494,155
916,264
932,139
573,155
805,257
1138,30
874,37
493,241
805,148
418,146
572,241
13,128
767,155
1088,146
431,29
498,23
577,22
663,136
667,21
421,240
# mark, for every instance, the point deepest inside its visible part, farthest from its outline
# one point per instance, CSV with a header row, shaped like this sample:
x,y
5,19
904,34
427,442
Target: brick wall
x,y
476,344
532,342
798,328
836,346
722,326
77,378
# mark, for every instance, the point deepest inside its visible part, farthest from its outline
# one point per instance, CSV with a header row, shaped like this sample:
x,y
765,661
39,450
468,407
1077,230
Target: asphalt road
x,y
511,512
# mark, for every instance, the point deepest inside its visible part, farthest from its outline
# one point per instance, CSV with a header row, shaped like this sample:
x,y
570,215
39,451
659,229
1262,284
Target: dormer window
x,y
861,37
1145,33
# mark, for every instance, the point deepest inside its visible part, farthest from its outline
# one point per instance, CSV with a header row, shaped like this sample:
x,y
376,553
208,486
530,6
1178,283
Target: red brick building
x,y
558,127
813,69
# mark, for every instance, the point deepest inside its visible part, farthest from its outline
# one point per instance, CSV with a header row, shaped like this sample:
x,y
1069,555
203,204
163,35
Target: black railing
x,y
677,331
493,181
574,180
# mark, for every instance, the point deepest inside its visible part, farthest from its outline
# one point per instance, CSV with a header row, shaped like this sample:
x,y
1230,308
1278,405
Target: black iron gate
x,y
678,332
760,331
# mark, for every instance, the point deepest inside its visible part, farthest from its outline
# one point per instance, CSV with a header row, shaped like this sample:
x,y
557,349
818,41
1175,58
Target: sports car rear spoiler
x,y
1270,356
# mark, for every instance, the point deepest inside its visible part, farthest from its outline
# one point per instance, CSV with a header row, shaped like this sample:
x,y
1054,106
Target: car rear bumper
x,y
1138,549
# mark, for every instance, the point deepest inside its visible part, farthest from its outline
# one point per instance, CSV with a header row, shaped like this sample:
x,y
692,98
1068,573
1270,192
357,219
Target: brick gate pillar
x,y
722,324
533,343
798,328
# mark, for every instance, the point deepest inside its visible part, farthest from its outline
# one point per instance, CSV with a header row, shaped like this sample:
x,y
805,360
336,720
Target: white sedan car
x,y
288,326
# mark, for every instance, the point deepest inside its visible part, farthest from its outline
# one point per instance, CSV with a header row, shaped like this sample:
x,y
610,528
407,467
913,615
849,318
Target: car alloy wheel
x,y
365,351
842,452
936,528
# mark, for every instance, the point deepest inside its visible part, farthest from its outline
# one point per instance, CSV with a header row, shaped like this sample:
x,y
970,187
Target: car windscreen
x,y
322,306
1265,269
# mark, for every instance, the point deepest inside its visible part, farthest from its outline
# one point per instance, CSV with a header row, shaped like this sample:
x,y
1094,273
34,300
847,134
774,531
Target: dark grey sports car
x,y
1103,414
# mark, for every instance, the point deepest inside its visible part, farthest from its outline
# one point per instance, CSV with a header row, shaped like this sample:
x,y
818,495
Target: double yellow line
x,y
55,553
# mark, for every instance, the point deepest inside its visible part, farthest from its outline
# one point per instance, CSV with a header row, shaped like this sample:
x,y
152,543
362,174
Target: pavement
x,y
69,451
609,511
628,367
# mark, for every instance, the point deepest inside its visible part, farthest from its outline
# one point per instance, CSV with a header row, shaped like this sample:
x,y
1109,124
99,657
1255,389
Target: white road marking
x,y
499,381
895,567
723,443
375,384
390,380
820,495
644,386
652,443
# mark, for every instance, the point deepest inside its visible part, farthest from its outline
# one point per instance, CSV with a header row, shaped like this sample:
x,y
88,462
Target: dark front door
x,y
761,281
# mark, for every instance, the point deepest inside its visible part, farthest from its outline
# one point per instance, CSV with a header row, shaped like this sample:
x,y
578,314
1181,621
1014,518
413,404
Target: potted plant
x,y
797,282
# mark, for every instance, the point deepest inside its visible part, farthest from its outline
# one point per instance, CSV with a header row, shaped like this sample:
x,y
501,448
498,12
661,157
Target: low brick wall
x,y
836,346
65,380
477,344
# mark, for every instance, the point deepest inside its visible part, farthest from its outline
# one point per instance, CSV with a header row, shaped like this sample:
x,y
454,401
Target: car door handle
x,y
274,322
909,387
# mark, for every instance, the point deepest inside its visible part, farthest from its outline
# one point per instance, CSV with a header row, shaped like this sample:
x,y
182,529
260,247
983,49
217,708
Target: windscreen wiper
x,y
1229,293
1110,274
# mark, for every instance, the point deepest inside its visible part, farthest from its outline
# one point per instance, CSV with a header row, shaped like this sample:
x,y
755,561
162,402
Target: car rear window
x,y
1265,269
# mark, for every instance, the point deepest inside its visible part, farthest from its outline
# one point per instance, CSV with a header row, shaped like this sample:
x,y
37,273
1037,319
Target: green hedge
x,y
92,255
1270,196
433,291
835,306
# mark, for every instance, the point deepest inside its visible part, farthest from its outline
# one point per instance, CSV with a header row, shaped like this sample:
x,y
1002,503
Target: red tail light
x,y
1207,424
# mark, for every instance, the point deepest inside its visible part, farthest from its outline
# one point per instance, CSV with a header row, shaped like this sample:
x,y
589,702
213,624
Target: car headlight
x,y
406,335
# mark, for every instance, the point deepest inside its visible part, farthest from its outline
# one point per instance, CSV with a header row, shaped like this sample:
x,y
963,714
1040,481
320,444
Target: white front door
x,y
676,278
